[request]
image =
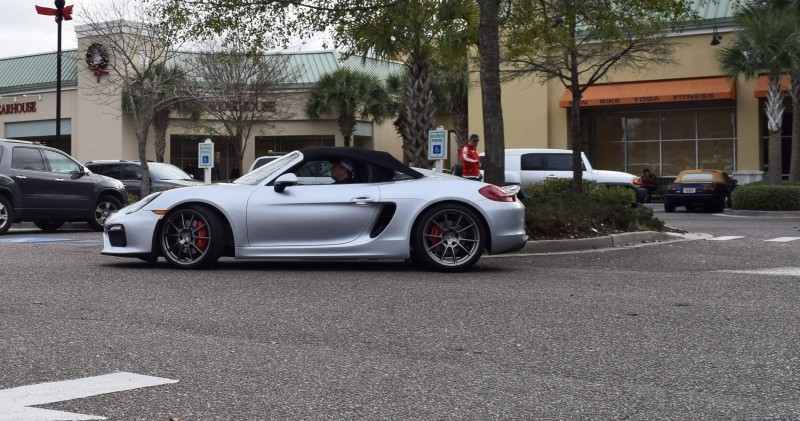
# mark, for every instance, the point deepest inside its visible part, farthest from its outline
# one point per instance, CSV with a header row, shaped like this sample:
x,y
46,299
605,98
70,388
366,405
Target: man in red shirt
x,y
470,161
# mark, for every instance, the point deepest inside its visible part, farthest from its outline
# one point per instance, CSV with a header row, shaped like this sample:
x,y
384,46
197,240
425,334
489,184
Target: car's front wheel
x,y
448,238
49,225
6,215
105,206
192,237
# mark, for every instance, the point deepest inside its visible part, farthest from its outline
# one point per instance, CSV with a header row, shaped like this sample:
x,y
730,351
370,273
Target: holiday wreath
x,y
97,59
96,56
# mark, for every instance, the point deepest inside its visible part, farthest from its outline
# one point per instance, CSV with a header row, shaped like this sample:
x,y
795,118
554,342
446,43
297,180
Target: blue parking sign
x,y
437,146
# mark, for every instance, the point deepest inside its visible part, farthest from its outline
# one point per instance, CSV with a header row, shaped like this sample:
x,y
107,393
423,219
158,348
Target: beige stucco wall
x,y
532,116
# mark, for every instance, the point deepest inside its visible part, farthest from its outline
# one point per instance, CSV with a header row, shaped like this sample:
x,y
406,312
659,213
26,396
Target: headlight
x,y
142,203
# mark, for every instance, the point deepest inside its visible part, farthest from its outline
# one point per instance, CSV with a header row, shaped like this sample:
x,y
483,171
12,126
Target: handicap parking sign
x,y
437,143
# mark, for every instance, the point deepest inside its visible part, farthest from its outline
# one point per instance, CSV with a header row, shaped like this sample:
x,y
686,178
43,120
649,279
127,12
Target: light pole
x,y
60,12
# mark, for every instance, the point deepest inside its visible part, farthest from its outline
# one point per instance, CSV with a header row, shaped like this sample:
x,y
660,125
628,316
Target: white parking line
x,y
15,403
787,271
783,239
726,238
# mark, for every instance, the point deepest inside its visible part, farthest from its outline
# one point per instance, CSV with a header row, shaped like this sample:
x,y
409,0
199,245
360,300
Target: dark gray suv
x,y
48,187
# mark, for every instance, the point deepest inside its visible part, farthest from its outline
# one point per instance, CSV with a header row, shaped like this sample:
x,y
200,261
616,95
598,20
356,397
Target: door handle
x,y
20,177
362,200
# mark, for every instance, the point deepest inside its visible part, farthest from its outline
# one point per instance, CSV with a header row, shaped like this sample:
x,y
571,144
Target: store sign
x,y
649,99
18,108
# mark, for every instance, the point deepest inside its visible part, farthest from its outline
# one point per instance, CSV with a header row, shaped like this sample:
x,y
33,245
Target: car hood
x,y
608,176
180,183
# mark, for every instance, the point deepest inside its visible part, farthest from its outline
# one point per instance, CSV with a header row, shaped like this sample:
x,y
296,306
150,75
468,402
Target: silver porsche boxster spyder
x,y
291,208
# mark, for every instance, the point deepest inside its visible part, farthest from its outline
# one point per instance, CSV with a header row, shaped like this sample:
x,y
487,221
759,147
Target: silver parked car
x,y
290,208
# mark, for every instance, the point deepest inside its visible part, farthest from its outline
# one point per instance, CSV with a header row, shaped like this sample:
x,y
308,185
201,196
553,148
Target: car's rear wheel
x,y
669,207
720,207
448,238
6,215
192,237
105,206
49,225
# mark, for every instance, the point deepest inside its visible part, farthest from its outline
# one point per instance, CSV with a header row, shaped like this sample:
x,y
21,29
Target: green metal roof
x,y
26,73
37,71
713,13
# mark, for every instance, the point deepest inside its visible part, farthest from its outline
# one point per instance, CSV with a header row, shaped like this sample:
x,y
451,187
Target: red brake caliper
x,y
433,235
202,231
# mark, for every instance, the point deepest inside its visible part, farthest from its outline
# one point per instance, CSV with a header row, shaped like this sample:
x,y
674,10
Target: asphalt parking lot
x,y
693,329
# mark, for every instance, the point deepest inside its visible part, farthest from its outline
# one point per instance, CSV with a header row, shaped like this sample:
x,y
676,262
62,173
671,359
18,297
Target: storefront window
x,y
664,141
610,156
679,155
643,126
716,123
716,154
643,155
679,124
609,128
281,145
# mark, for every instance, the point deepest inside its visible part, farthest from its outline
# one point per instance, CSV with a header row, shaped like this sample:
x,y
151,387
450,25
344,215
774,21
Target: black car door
x,y
132,178
33,179
72,187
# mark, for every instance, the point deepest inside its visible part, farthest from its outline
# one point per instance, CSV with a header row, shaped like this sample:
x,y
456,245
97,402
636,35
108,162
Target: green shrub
x,y
767,197
553,210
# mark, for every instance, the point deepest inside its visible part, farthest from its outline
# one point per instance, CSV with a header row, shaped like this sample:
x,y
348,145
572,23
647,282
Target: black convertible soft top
x,y
367,156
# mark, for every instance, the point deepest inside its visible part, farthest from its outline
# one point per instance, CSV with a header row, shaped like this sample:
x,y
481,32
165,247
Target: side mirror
x,y
284,181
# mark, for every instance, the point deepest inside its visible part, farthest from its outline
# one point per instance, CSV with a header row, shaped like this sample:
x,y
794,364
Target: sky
x,y
24,32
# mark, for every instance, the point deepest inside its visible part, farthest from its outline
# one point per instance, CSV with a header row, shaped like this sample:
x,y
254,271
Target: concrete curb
x,y
773,214
608,241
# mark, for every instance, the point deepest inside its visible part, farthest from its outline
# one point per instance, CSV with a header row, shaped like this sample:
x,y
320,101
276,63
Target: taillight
x,y
497,194
671,188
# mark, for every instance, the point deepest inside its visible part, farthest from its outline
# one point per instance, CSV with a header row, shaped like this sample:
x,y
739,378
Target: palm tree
x,y
351,95
765,41
792,7
413,31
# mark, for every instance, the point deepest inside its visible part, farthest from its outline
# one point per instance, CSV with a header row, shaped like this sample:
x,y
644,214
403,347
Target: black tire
x,y
720,208
105,206
691,208
6,215
191,238
49,225
669,207
448,238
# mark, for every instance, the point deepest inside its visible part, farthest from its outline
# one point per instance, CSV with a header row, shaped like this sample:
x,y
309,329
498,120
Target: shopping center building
x,y
93,127
674,117
681,116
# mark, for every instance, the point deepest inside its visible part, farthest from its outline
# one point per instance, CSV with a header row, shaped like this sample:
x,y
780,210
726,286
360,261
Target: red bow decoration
x,y
66,12
98,71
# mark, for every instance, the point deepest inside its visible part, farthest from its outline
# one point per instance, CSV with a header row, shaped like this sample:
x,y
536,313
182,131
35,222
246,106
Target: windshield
x,y
697,178
261,173
160,171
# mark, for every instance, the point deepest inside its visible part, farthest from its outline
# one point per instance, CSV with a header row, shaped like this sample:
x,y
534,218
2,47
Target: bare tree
x,y
129,51
242,91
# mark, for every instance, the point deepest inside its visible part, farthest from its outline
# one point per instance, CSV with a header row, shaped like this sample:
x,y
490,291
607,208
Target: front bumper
x,y
130,234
